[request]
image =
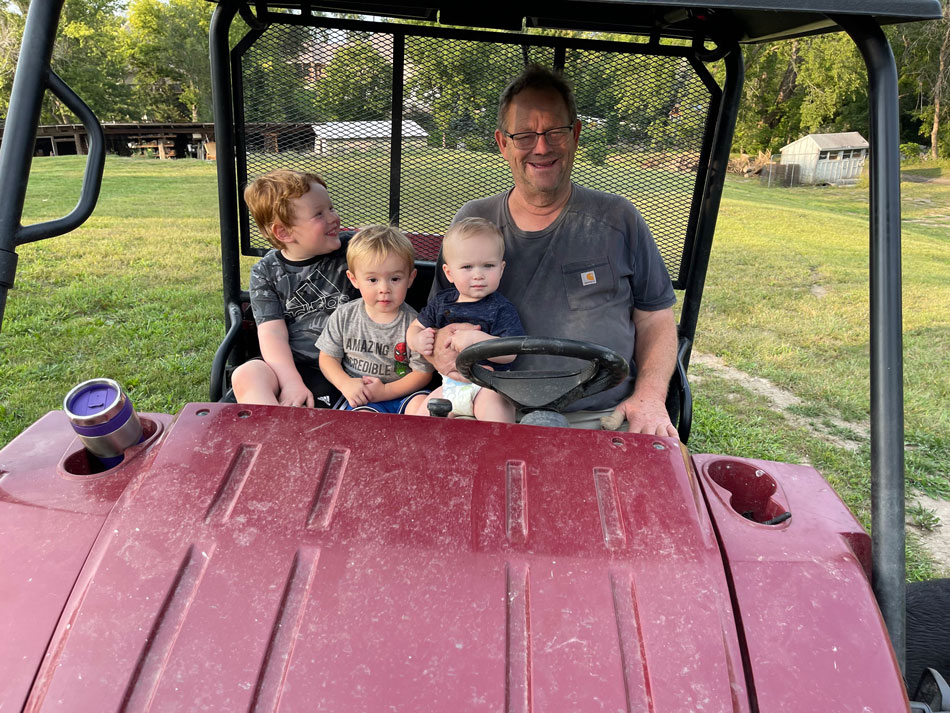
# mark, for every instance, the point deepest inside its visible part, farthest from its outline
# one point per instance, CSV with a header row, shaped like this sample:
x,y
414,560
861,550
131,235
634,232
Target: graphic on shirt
x,y
370,364
589,278
401,355
315,294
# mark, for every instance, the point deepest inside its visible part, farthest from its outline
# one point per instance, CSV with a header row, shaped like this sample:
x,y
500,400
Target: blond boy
x,y
473,252
294,289
363,348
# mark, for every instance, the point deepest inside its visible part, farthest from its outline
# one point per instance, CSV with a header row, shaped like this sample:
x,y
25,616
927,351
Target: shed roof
x,y
842,140
742,20
341,130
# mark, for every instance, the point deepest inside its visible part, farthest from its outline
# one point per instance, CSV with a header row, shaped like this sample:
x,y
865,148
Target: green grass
x,y
135,294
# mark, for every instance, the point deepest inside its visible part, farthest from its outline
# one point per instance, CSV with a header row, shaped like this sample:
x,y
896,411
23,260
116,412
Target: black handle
x,y
92,178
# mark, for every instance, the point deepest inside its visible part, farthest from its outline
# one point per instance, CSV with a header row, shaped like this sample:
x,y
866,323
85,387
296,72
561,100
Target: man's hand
x,y
443,355
643,415
296,394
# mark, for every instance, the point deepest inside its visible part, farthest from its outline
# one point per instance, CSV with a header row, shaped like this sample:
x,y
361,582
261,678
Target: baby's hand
x,y
424,342
353,391
373,389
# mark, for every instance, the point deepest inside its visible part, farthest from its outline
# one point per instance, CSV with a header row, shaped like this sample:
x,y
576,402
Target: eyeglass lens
x,y
527,139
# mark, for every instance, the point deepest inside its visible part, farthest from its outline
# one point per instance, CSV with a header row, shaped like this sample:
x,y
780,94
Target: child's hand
x,y
424,342
296,395
373,389
353,391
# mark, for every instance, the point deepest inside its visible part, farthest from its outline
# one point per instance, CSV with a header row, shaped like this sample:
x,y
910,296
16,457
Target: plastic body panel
x,y
250,556
806,609
49,520
329,561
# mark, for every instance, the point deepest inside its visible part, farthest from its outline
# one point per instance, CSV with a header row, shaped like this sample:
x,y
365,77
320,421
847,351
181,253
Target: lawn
x,y
135,294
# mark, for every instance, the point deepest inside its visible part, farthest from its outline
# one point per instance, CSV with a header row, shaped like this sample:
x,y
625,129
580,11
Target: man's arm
x,y
465,338
275,350
655,357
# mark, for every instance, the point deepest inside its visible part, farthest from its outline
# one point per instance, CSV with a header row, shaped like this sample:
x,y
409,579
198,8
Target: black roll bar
x,y
224,149
887,371
712,196
33,77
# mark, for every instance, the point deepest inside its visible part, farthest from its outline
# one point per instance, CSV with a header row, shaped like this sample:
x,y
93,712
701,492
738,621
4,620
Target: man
x,y
581,263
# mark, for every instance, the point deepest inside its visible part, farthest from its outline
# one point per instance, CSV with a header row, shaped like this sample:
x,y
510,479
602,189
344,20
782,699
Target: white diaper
x,y
462,395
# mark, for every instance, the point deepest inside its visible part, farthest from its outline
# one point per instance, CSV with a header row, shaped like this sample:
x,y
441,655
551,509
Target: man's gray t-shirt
x,y
581,277
303,293
367,348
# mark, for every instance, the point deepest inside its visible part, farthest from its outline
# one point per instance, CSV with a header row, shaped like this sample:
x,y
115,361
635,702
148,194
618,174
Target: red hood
x,y
361,562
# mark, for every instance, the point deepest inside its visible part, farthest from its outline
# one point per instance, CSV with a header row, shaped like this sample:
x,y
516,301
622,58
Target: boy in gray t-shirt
x,y
363,348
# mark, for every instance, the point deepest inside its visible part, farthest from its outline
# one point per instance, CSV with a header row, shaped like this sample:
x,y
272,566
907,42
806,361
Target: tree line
x,y
147,60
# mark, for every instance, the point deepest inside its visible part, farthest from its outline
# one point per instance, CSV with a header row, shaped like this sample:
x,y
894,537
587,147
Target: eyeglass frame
x,y
537,135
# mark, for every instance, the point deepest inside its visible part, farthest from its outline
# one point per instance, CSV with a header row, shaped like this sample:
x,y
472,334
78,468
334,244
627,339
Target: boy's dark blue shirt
x,y
494,314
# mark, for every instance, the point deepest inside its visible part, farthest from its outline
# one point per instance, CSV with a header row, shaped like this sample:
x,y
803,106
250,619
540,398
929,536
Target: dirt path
x,y
911,178
936,539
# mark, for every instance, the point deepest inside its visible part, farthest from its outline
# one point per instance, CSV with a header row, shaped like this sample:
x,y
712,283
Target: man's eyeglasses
x,y
554,137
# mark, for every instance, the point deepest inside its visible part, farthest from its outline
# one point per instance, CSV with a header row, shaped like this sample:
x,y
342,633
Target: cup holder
x,y
82,463
752,491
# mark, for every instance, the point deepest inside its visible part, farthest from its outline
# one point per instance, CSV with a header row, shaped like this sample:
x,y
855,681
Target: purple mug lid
x,y
93,402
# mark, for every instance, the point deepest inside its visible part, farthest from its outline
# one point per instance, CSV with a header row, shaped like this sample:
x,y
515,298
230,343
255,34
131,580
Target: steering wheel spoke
x,y
547,389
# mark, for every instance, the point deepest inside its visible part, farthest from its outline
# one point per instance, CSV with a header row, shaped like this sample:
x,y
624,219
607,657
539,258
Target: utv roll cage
x,y
679,193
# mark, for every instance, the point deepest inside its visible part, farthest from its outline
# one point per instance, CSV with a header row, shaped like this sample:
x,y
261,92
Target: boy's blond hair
x,y
470,227
270,198
374,243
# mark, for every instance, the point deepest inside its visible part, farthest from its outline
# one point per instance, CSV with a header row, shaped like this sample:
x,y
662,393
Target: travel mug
x,y
102,416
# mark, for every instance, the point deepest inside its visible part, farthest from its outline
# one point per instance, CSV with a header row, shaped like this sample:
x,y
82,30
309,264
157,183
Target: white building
x,y
828,158
342,136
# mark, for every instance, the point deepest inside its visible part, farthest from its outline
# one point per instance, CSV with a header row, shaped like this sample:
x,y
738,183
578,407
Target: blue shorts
x,y
396,406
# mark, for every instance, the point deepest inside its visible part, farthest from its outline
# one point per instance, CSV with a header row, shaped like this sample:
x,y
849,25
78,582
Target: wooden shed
x,y
828,158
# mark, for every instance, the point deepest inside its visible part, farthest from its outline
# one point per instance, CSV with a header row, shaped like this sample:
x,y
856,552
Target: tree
x,y
831,77
88,55
457,83
923,51
168,49
11,30
357,84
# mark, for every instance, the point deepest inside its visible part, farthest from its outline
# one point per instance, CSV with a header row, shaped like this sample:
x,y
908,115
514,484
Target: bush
x,y
595,152
911,152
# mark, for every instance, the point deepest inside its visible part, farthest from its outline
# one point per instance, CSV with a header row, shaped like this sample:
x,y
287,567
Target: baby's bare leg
x,y
491,406
420,406
254,382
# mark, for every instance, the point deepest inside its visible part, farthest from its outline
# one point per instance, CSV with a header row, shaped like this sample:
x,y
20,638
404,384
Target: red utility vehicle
x,y
267,558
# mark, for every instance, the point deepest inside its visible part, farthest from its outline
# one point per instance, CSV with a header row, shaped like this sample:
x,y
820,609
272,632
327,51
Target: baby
x,y
473,252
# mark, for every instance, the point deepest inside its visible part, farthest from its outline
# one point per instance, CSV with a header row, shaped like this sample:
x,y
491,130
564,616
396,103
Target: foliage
x,y
89,54
150,60
458,84
168,51
273,88
357,84
923,54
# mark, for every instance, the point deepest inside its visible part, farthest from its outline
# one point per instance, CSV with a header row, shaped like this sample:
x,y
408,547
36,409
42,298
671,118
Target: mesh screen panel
x,y
322,100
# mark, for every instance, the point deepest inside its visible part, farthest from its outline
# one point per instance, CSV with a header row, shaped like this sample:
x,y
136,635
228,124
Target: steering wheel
x,y
549,390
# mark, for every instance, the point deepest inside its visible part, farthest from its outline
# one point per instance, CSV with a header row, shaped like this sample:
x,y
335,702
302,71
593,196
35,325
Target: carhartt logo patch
x,y
588,278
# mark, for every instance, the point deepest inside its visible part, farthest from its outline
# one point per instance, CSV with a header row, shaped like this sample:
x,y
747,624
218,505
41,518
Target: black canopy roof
x,y
742,20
